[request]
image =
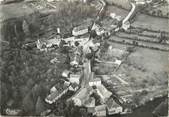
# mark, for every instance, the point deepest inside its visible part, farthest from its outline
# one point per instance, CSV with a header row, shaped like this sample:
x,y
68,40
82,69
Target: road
x,y
127,18
142,20
86,74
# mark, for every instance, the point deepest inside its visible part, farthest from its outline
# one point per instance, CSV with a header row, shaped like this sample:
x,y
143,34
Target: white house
x,y
103,93
73,87
80,97
55,96
74,78
95,82
66,73
117,62
82,29
113,107
79,31
100,111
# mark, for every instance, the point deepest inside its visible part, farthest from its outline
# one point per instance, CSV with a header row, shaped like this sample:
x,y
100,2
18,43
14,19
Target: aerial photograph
x,y
84,58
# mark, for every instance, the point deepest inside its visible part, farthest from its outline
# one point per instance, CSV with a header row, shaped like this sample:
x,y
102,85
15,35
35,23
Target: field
x,y
122,3
144,71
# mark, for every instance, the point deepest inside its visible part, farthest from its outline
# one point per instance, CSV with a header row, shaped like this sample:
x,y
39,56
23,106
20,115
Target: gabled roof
x,y
95,80
52,96
75,76
103,91
112,104
83,93
90,102
74,85
100,107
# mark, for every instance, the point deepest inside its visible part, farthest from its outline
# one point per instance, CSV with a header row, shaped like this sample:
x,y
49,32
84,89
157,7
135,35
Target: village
x,y
100,55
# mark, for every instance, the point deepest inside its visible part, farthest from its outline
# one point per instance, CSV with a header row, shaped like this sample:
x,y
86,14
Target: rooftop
x,y
100,107
103,91
90,102
111,104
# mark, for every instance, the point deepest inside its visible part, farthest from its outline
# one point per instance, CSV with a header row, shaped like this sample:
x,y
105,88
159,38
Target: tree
x,y
36,90
28,105
30,83
40,106
159,13
71,110
25,27
3,96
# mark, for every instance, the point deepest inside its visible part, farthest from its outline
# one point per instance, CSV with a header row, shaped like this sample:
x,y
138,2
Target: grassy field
x,y
122,3
144,71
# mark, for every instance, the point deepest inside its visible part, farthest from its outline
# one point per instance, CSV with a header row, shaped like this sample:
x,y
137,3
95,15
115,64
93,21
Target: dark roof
x,y
111,103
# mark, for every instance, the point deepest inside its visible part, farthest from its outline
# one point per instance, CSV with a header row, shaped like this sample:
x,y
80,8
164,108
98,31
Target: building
x,y
103,93
90,105
40,45
113,107
75,61
81,96
66,73
74,78
142,2
53,42
74,87
99,30
100,111
12,112
56,94
117,62
95,82
81,29
117,53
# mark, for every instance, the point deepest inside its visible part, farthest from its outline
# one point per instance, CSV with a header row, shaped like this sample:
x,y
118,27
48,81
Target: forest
x,y
25,72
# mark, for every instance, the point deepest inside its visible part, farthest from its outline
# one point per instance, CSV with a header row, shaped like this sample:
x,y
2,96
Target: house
x,y
81,96
40,45
90,102
117,62
90,105
100,111
73,87
52,42
113,107
12,112
69,39
83,1
75,61
44,44
114,16
81,29
56,94
95,82
99,30
103,93
53,89
74,78
66,73
142,2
